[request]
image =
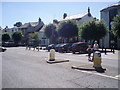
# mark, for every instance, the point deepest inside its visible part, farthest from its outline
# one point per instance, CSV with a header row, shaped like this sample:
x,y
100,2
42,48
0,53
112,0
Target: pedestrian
x,y
89,50
112,43
95,48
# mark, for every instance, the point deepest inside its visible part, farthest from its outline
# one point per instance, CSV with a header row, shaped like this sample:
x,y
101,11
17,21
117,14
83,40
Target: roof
x,y
25,25
77,16
42,29
74,17
30,23
34,23
114,5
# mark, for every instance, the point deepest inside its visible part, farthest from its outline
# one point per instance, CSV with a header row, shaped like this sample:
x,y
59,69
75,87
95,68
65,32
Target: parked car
x,y
65,47
51,46
79,47
61,47
9,44
57,47
2,49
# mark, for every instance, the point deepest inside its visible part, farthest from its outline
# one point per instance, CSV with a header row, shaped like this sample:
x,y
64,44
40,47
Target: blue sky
x,y
24,12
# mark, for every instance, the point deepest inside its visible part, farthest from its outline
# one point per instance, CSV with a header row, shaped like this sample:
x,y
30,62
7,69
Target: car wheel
x,y
73,52
3,50
67,51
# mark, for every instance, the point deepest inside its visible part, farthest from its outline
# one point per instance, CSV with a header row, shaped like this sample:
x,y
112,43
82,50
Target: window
x,y
112,14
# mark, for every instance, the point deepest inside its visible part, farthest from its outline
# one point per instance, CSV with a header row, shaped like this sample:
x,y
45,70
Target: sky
x,y
12,12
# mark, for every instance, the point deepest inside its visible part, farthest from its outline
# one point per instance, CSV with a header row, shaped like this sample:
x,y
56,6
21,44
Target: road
x,y
28,69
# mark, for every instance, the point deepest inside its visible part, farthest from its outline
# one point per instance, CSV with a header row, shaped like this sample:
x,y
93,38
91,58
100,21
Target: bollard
x,y
97,62
105,52
29,47
52,55
113,49
97,59
26,47
38,48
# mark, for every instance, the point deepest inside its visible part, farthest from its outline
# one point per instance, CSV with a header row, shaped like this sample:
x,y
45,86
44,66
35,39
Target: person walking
x,y
89,50
95,48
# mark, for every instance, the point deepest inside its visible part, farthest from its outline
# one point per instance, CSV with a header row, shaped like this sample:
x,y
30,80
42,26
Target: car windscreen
x,y
74,45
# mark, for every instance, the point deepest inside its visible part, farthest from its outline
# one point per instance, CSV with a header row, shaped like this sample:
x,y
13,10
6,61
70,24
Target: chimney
x,y
39,20
64,15
89,14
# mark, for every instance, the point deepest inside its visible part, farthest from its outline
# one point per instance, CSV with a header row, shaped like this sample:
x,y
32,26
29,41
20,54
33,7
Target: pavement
x,y
57,61
28,69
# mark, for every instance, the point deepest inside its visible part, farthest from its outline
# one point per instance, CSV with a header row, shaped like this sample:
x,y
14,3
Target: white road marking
x,y
100,74
117,76
68,53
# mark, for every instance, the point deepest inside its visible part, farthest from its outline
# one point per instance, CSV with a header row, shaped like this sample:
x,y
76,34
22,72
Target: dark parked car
x,y
9,44
57,47
2,49
79,47
65,47
51,46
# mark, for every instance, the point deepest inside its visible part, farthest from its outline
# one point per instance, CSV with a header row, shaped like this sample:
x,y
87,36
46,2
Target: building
x,y
10,30
81,18
44,40
26,29
107,15
31,27
0,28
0,35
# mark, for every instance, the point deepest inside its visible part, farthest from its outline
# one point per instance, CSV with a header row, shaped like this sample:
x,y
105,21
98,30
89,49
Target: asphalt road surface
x,y
28,69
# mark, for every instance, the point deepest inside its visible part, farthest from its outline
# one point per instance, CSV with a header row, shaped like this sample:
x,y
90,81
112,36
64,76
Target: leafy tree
x,y
50,32
5,37
116,26
35,37
68,29
18,24
92,30
17,36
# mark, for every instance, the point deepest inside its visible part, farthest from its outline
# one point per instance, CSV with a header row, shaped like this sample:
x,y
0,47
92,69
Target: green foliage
x,y
92,30
17,36
5,37
18,24
68,29
51,33
116,26
49,29
35,36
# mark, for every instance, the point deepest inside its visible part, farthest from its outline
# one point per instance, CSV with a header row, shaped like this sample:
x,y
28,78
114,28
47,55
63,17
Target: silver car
x,y
2,49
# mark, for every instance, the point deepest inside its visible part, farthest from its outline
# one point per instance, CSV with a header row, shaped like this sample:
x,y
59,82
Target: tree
x,y
92,30
5,37
35,37
50,32
116,26
68,29
18,24
17,36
